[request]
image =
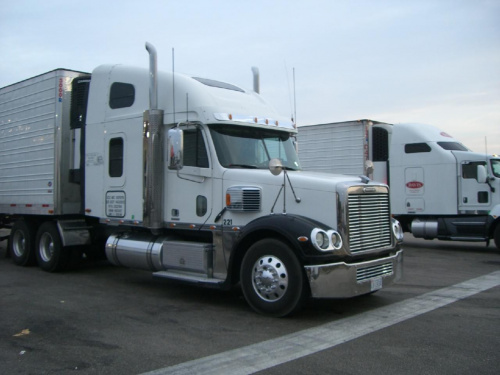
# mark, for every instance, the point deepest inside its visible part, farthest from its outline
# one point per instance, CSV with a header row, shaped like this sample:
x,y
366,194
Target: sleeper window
x,y
121,95
413,148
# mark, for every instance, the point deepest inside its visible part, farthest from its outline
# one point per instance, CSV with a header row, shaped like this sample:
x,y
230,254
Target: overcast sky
x,y
434,61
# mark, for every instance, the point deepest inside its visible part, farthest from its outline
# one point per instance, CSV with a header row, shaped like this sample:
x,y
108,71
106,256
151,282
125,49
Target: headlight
x,y
321,239
397,229
336,239
326,240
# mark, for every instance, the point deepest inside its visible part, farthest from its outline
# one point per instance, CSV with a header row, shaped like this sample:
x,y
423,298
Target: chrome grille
x,y
369,221
366,273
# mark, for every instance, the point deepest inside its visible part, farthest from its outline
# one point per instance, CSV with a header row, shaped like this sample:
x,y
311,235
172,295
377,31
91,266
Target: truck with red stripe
x,y
439,188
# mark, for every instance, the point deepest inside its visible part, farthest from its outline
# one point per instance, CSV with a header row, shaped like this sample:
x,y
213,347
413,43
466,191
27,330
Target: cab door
x,y
189,190
472,195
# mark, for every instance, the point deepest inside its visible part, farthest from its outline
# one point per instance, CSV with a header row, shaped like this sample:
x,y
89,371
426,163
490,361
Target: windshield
x,y
243,147
495,167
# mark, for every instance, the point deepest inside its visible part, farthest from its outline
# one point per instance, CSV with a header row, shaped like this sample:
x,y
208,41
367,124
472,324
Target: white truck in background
x,y
208,192
438,187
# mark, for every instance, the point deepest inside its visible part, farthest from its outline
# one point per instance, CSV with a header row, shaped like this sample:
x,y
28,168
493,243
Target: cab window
x,y
195,152
469,170
115,168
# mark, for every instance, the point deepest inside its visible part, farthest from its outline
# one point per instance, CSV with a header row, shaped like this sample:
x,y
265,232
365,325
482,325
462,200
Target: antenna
x,y
187,107
294,100
289,90
173,81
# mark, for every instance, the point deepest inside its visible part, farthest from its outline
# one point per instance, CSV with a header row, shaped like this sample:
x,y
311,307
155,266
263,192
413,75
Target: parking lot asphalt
x,y
101,319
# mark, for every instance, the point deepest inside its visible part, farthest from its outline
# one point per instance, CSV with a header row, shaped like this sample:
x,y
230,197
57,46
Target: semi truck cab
x,y
195,180
439,188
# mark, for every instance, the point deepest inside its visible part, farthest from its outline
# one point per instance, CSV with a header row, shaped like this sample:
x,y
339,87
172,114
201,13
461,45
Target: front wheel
x,y
50,253
496,236
272,279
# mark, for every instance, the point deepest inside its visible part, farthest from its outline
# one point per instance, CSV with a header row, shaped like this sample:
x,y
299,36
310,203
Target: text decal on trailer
x,y
60,93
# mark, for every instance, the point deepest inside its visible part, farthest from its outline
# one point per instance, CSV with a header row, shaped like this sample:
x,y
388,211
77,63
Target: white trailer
x,y
36,147
439,188
209,191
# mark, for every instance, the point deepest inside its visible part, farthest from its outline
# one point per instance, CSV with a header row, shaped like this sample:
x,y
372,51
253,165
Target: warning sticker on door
x,y
115,204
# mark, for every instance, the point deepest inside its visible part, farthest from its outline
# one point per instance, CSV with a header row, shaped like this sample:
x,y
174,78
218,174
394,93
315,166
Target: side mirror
x,y
275,166
369,167
482,177
175,149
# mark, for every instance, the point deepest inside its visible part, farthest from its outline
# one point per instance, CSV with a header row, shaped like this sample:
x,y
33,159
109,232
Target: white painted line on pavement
x,y
266,354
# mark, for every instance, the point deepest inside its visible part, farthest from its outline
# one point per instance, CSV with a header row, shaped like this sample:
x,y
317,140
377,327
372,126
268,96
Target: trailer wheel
x,y
272,279
496,236
22,243
50,253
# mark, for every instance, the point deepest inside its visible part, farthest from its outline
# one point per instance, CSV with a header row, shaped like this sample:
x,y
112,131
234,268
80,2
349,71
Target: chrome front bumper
x,y
342,280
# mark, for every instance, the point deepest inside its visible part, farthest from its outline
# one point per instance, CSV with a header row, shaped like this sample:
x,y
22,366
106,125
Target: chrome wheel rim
x,y
270,278
19,244
46,247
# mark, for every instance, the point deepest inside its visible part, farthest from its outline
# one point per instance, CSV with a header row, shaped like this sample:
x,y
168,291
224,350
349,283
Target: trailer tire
x,y
272,278
22,243
496,236
50,253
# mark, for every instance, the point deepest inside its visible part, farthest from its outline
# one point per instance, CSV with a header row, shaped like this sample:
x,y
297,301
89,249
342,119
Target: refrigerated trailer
x,y
209,191
439,188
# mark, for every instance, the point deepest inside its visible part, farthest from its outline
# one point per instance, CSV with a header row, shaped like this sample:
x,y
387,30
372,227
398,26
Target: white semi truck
x,y
202,184
439,188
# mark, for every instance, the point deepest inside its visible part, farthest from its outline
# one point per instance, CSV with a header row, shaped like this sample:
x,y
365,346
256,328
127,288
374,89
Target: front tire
x,y
22,243
50,254
272,279
496,236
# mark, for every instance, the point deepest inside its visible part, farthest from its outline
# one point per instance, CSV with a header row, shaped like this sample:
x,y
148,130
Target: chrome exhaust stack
x,y
153,72
153,151
256,79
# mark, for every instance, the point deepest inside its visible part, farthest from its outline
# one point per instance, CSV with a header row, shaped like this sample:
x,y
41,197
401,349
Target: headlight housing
x,y
397,229
326,240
